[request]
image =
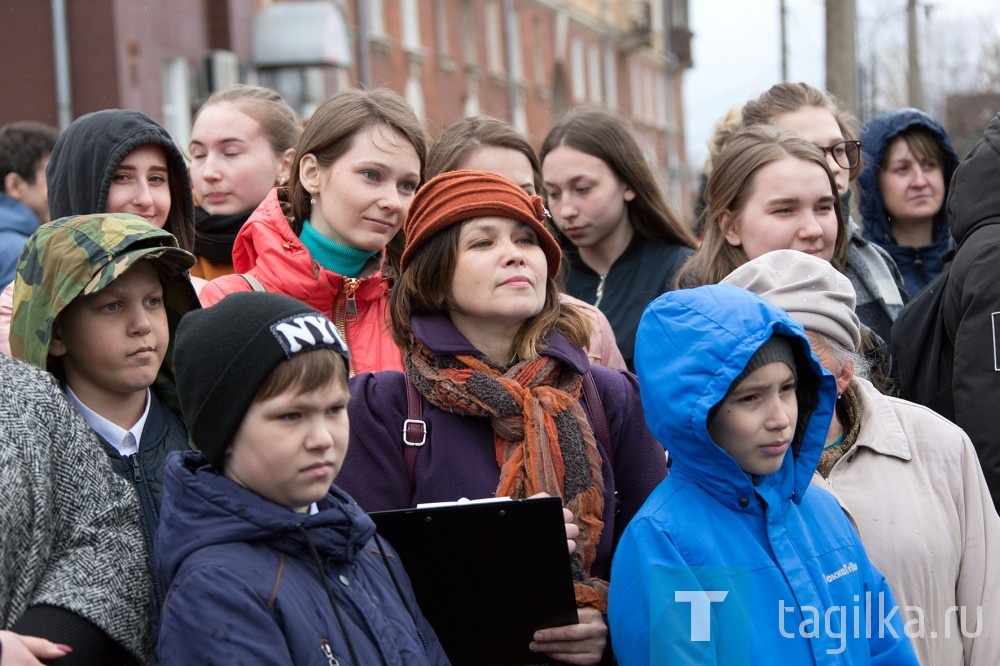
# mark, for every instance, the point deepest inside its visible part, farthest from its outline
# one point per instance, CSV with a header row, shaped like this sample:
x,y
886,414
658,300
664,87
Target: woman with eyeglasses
x,y
813,114
909,160
771,189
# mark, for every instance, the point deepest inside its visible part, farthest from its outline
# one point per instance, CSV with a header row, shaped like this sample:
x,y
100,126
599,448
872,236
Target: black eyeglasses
x,y
846,153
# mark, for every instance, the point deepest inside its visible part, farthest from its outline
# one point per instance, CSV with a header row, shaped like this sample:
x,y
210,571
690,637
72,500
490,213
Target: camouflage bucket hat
x,y
80,255
92,250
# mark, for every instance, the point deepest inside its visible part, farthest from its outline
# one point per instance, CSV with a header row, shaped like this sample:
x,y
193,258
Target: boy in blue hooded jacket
x,y
730,560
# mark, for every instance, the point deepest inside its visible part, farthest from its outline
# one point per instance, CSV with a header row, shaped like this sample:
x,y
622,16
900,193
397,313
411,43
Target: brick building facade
x,y
524,61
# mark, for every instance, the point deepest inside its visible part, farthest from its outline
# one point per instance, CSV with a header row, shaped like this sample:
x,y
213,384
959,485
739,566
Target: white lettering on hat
x,y
305,332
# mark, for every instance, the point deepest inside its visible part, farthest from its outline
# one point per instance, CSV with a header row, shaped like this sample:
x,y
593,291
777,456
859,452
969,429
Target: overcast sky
x,y
737,51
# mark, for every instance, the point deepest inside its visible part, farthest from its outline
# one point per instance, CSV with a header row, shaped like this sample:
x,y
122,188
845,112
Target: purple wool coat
x,y
459,458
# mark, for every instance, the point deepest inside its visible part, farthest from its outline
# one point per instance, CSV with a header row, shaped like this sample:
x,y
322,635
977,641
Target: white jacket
x,y
913,485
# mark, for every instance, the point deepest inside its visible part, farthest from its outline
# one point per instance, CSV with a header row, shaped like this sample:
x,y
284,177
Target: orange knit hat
x,y
457,196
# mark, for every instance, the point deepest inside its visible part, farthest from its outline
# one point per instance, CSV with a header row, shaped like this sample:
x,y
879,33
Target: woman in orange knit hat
x,y
497,362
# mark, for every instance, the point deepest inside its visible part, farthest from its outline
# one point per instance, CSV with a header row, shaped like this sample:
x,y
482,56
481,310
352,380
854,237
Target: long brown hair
x,y
330,134
607,137
730,187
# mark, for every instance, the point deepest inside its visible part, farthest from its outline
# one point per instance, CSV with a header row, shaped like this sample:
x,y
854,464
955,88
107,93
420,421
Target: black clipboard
x,y
486,575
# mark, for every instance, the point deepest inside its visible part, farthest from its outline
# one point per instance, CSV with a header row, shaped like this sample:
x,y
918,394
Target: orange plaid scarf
x,y
543,440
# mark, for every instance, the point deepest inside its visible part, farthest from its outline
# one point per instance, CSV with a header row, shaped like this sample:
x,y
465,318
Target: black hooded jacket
x,y
970,306
89,152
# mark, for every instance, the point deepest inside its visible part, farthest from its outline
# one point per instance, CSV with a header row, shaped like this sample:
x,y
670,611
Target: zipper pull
x,y
351,309
324,645
600,291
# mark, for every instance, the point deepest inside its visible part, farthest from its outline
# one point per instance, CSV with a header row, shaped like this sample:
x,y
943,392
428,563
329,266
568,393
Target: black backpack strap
x,y
414,430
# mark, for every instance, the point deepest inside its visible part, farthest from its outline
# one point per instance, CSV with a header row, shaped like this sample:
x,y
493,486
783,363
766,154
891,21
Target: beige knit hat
x,y
810,289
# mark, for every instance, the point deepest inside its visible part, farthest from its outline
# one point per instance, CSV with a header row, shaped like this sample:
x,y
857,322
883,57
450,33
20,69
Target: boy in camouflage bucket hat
x,y
97,299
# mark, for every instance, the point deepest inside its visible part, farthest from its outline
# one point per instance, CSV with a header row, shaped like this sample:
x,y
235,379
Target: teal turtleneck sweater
x,y
331,255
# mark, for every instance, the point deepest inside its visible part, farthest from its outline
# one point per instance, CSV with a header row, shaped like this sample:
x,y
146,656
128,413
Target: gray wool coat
x,y
69,528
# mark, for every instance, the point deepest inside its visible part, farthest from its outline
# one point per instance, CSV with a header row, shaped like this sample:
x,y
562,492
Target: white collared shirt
x,y
126,441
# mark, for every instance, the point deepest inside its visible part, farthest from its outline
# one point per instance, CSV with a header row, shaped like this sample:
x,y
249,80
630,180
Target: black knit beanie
x,y
223,353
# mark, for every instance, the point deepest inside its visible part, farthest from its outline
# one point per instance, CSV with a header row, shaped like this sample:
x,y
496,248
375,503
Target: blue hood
x,y
691,345
876,137
202,508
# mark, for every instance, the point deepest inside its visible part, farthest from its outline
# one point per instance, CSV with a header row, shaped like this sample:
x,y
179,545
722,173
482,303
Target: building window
x,y
635,87
538,57
494,47
177,100
376,18
411,25
470,31
516,66
579,70
441,28
610,78
594,73
662,112
650,88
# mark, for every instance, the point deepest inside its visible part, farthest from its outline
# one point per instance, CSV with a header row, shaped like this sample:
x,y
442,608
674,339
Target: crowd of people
x,y
219,358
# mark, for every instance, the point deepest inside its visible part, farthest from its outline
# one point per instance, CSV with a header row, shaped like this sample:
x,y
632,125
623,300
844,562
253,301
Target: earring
x,y
281,182
312,200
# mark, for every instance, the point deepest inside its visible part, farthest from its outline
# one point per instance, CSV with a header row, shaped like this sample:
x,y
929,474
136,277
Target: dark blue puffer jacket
x,y
243,587
918,265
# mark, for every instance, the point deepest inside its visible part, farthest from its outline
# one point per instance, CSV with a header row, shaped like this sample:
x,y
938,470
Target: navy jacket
x,y
918,265
782,551
459,459
163,433
244,588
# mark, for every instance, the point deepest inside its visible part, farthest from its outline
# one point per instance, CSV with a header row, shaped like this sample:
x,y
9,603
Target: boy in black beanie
x,y
265,560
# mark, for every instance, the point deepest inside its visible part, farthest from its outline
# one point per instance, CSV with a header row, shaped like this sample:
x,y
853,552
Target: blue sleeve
x,y
628,596
211,616
888,645
646,572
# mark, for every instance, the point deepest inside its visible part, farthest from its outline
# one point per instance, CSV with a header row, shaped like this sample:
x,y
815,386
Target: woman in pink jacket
x,y
330,238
